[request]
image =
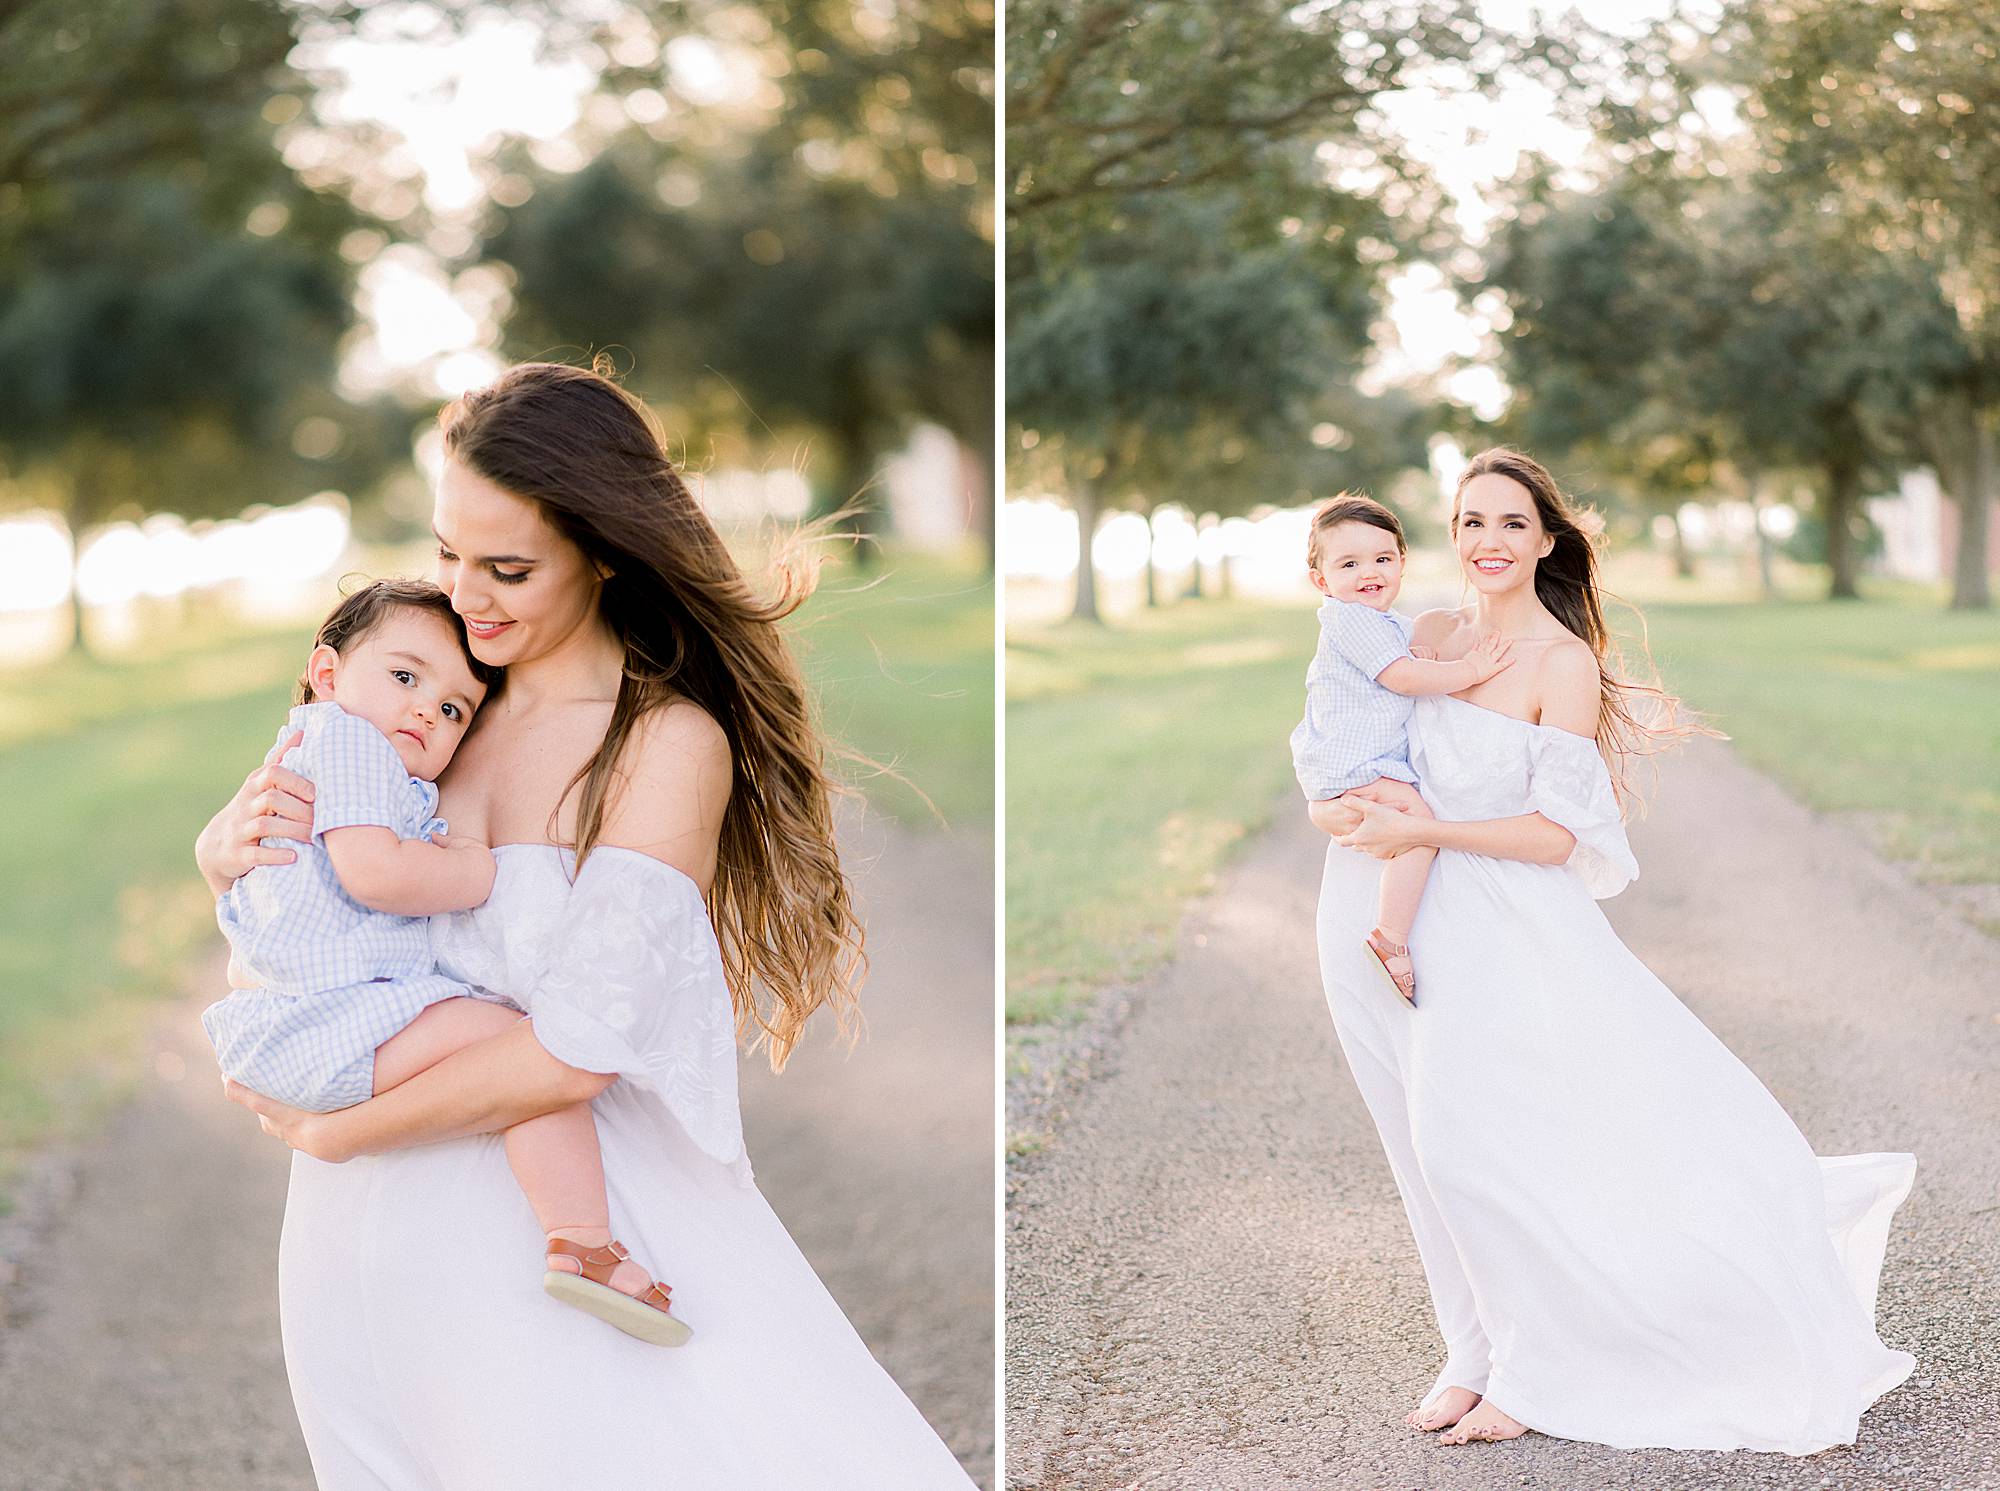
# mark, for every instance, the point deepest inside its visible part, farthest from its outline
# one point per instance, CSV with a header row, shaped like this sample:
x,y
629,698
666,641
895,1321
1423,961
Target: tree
x,y
1174,323
171,297
1874,119
1660,324
1122,98
817,252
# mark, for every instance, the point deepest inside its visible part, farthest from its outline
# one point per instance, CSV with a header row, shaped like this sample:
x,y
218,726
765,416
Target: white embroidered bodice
x,y
621,973
1475,763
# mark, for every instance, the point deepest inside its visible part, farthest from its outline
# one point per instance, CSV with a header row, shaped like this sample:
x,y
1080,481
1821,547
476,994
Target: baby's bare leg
x,y
555,1158
1402,889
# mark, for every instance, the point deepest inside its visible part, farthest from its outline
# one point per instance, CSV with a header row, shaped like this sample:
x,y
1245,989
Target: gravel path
x,y
139,1340
1211,1283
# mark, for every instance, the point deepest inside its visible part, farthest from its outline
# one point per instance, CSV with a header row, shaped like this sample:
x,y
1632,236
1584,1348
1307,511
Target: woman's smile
x,y
486,630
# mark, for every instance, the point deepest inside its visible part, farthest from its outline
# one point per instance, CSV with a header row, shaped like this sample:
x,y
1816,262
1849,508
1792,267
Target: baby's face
x,y
408,678
1361,563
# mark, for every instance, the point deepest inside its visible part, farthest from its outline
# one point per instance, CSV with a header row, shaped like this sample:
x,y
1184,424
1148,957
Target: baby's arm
x,y
410,877
1416,676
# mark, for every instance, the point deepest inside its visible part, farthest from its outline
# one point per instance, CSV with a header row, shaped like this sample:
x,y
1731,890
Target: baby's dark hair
x,y
360,612
1351,507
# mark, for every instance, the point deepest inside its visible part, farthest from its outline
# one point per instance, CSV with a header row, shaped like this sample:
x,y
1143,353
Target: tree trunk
x,y
1083,495
1843,498
976,468
1683,555
851,491
1753,486
1960,449
1152,572
1971,586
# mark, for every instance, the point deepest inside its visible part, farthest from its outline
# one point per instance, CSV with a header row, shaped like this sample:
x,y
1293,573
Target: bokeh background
x,y
247,249
1729,269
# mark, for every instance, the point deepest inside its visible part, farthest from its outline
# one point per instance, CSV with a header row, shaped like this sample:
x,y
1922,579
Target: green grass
x,y
902,659
109,769
1137,756
1887,709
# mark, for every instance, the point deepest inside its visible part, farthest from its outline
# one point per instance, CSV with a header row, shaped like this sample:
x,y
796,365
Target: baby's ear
x,y
321,668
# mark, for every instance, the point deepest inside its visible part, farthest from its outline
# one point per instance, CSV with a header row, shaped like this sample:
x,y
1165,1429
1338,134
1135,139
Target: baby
x,y
1354,740
335,995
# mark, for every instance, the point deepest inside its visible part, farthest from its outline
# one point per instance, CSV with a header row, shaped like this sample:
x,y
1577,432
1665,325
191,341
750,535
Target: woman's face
x,y
522,588
1499,534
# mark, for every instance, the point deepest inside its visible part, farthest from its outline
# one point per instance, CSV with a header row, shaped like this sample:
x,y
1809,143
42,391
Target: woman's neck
x,y
587,664
1518,612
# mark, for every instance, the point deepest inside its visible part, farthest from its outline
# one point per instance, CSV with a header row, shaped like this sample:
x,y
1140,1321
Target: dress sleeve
x,y
1569,784
635,989
1366,638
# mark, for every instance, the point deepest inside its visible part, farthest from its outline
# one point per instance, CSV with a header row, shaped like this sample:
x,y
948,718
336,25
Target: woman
x,y
652,782
1626,1238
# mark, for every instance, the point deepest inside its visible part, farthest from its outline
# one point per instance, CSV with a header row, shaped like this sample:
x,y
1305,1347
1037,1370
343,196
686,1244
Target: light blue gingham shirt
x,y
1354,729
337,979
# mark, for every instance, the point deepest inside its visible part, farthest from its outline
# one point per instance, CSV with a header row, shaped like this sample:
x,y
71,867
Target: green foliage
x,y
154,350
827,268
1661,327
1121,98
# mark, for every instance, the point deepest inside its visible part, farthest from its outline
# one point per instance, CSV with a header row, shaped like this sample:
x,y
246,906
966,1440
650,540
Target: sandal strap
x,y
598,1265
595,1264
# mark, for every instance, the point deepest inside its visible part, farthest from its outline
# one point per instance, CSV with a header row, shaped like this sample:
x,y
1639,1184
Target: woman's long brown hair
x,y
592,458
1636,716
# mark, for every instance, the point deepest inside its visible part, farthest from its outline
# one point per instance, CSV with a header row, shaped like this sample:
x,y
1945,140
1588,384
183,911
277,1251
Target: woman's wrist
x,y
205,857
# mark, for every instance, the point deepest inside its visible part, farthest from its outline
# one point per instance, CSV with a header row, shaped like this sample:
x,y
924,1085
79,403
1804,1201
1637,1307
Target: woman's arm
x,y
271,803
492,1084
1386,833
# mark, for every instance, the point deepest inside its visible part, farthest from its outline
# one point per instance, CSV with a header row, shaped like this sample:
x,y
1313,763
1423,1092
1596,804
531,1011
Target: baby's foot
x,y
627,1278
1450,1406
1395,960
1484,1422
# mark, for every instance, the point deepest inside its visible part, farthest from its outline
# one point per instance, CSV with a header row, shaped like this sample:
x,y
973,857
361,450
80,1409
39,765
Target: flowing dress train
x,y
1627,1239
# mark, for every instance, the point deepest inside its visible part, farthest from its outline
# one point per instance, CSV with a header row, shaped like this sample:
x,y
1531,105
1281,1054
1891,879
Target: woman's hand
x,y
1333,815
271,803
1382,832
315,1134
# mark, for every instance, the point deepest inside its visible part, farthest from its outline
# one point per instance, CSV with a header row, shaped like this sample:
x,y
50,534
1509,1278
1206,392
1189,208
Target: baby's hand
x,y
1489,655
1424,654
458,841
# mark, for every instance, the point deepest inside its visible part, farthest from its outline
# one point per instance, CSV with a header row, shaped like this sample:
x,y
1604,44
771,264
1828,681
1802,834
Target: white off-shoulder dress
x,y
1627,1239
422,1353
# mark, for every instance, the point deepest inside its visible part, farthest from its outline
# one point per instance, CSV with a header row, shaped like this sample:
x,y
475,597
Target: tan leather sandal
x,y
1383,950
643,1315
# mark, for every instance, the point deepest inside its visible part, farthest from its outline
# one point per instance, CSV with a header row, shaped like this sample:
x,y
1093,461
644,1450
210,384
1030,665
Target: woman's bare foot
x,y
1484,1422
1451,1405
627,1278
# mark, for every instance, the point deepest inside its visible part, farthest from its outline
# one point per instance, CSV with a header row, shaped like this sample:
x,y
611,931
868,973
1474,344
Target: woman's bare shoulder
x,y
1568,686
674,781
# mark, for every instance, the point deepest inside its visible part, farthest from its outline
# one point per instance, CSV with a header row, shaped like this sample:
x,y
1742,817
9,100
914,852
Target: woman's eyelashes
x,y
504,576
